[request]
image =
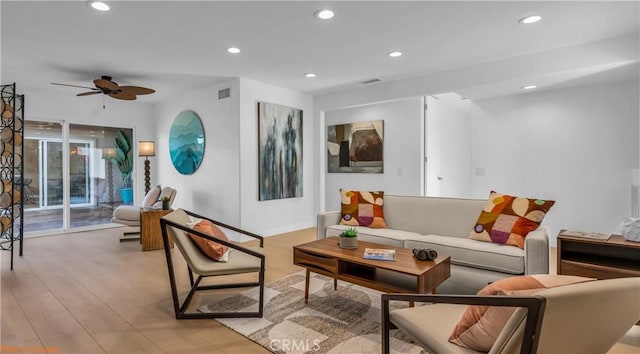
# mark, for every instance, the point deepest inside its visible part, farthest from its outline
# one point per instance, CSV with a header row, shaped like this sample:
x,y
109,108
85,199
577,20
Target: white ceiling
x,y
176,46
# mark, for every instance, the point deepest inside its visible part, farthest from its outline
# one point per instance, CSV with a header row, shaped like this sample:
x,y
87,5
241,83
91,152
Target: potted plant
x,y
349,238
124,161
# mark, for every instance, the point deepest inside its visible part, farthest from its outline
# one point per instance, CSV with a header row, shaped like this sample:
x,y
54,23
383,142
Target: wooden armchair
x,y
243,259
587,317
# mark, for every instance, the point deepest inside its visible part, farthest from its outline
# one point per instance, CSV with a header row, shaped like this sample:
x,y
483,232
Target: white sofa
x,y
444,224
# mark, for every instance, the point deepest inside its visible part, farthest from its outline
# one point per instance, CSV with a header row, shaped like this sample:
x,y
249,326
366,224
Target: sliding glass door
x,y
68,180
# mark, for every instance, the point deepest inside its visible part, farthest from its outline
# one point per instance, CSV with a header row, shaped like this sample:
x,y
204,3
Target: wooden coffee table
x,y
406,274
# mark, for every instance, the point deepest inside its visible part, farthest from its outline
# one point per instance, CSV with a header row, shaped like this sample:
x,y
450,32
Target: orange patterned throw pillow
x,y
480,326
362,208
214,250
507,219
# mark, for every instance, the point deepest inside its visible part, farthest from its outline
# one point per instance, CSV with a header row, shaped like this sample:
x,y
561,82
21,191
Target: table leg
x,y
335,284
306,287
412,304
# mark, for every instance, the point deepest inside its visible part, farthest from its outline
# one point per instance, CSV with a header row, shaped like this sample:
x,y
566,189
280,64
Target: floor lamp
x,y
146,149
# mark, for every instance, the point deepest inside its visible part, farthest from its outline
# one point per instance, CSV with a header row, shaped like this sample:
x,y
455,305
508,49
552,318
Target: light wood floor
x,y
89,293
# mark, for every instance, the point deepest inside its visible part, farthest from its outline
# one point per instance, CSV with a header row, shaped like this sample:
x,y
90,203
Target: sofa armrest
x,y
325,220
536,251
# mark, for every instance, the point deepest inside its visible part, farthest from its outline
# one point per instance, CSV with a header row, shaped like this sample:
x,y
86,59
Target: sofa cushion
x,y
151,197
471,253
432,215
359,208
388,237
480,326
507,219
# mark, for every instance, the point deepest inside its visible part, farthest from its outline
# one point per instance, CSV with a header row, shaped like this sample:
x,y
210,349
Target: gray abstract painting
x,y
279,151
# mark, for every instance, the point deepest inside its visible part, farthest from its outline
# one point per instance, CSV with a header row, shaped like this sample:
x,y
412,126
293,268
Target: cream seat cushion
x,y
472,253
388,237
239,262
414,320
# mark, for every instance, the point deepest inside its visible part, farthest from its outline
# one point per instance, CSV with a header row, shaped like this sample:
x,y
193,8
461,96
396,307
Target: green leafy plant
x,y
350,232
123,158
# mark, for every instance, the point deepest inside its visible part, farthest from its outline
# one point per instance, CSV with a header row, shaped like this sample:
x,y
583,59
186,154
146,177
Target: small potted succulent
x,y
349,238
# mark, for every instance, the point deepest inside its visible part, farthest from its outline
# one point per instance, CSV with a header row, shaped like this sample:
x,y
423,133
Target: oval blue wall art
x,y
186,142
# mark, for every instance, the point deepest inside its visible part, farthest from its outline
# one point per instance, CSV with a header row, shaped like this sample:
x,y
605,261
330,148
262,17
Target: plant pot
x,y
348,242
127,195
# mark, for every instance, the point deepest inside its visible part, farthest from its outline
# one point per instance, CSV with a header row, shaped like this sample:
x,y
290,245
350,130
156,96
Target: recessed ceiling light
x,y
395,54
529,87
99,5
324,14
233,50
310,75
530,19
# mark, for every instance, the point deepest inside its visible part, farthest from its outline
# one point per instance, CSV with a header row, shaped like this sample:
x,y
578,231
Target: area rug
x,y
346,320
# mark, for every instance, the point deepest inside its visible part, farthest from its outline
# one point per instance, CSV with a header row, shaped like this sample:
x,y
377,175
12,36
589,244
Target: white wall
x,y
403,121
58,106
575,145
214,189
282,215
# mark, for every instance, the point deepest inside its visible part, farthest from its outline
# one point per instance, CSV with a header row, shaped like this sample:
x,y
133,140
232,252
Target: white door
x,y
448,146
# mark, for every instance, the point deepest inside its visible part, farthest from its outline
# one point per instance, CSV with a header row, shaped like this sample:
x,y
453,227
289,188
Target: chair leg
x,y
190,276
386,326
261,281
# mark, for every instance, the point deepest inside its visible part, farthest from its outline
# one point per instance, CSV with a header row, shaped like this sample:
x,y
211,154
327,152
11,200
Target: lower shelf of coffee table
x,y
369,276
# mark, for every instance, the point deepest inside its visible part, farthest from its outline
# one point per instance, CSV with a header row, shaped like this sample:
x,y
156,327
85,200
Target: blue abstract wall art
x,y
186,142
280,151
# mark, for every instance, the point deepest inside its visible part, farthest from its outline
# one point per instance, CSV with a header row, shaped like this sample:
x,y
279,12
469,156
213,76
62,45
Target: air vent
x,y
225,93
366,82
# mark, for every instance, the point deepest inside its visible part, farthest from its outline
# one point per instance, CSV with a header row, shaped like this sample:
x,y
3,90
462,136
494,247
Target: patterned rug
x,y
346,320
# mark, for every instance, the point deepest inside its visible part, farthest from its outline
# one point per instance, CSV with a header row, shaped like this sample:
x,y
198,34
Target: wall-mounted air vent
x,y
225,93
366,82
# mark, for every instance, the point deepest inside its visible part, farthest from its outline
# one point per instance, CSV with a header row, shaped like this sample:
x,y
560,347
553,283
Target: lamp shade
x,y
146,148
108,152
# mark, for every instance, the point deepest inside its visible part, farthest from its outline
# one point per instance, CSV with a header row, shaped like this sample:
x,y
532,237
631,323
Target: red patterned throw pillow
x,y
507,219
360,208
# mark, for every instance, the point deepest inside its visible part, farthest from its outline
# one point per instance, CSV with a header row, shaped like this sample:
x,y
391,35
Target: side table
x,y
150,232
613,258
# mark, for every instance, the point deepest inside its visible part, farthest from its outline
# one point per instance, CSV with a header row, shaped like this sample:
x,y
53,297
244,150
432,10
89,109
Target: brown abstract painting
x,y
355,147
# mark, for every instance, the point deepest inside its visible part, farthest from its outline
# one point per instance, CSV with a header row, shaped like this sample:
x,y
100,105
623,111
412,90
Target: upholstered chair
x,y
586,317
188,237
129,215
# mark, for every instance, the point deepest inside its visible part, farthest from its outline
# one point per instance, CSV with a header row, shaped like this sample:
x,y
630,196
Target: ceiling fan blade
x,y
89,93
105,84
137,90
123,96
90,88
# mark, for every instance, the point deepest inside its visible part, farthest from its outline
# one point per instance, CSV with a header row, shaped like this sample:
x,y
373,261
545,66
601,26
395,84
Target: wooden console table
x,y
150,232
614,258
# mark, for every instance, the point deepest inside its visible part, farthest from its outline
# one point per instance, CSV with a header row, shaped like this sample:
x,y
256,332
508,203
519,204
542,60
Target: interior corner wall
x,y
282,215
402,137
576,146
214,188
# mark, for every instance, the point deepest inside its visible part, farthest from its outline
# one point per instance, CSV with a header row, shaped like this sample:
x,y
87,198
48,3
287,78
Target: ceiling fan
x,y
106,86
